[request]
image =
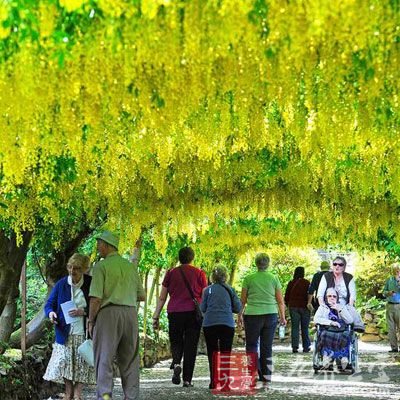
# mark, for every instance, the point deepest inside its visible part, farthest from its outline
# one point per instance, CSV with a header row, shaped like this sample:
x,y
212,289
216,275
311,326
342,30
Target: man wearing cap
x,y
115,290
312,303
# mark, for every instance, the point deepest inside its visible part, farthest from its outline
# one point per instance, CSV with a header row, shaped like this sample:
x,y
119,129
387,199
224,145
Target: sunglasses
x,y
338,264
331,295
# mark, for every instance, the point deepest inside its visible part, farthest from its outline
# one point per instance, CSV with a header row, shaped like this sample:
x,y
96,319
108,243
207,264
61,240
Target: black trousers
x,y
184,333
218,338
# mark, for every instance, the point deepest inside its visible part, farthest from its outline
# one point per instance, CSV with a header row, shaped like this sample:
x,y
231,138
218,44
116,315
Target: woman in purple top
x,y
184,330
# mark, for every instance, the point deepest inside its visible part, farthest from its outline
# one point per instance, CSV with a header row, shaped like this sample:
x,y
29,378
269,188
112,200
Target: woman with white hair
x,y
218,304
333,340
66,365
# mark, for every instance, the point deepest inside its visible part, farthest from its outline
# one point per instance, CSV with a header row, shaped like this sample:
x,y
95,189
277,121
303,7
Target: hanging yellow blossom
x,y
72,5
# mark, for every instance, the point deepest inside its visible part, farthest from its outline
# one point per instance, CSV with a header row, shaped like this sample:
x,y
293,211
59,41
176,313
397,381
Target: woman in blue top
x,y
218,303
66,365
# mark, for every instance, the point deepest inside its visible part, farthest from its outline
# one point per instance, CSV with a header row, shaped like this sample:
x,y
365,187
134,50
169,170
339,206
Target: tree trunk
x,y
154,284
135,258
54,270
57,267
9,314
146,280
233,274
12,256
136,253
35,330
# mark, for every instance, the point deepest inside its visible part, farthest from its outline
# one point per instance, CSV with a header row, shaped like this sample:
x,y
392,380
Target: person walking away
x,y
392,293
115,290
218,303
262,300
184,329
312,303
296,299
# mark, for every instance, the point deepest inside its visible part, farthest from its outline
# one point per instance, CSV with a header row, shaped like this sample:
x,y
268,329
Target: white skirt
x,y
66,363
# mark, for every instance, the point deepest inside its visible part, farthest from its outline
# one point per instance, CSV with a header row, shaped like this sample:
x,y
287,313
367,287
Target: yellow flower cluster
x,y
176,114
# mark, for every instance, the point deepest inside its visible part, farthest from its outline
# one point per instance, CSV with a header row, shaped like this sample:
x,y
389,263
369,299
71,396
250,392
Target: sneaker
x,y
187,384
266,384
176,377
307,350
266,379
295,351
326,361
393,351
344,362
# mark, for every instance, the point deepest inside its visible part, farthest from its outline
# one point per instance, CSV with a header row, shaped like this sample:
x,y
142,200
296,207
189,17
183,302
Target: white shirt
x,y
340,287
78,298
321,317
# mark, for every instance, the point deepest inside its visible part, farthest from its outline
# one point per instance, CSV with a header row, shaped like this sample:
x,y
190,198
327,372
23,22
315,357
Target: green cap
x,y
325,265
109,238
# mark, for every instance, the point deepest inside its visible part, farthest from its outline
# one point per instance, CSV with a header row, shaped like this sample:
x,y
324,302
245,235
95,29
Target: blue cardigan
x,y
60,294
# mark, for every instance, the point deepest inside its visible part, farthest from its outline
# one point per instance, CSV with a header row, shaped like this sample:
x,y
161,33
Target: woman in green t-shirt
x,y
262,302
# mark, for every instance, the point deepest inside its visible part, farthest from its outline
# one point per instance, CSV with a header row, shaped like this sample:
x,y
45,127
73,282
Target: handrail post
x,y
23,310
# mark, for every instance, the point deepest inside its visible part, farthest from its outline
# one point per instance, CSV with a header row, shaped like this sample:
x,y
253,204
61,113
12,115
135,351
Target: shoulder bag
x,y
230,294
199,314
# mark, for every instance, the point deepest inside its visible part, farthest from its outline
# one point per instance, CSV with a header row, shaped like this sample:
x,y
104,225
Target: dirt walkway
x,y
379,378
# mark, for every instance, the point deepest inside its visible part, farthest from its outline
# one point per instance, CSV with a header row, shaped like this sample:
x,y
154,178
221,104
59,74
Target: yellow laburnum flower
x,y
4,32
4,10
150,8
72,5
48,14
115,8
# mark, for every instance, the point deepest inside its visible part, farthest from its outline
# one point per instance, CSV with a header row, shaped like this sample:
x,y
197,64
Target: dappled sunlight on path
x,y
293,378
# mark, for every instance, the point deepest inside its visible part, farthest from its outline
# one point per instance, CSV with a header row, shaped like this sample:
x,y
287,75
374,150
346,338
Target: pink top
x,y
180,299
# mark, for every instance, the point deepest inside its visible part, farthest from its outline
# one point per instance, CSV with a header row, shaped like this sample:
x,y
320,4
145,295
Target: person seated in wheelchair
x,y
334,335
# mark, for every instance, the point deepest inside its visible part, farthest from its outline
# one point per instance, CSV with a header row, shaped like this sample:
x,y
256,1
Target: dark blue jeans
x,y
300,317
261,327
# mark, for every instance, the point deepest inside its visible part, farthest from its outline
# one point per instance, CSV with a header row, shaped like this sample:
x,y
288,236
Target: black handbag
x,y
199,314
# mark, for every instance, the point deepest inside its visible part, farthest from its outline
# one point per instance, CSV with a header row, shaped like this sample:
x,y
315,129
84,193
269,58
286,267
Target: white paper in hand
x,y
68,306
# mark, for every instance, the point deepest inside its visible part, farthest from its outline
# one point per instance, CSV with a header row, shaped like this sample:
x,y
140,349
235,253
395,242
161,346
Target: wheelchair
x,y
350,351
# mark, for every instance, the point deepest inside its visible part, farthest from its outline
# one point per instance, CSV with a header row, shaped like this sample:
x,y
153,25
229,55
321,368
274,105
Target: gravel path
x,y
379,378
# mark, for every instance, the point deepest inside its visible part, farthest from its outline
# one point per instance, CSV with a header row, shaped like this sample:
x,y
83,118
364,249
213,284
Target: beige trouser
x,y
116,335
393,322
